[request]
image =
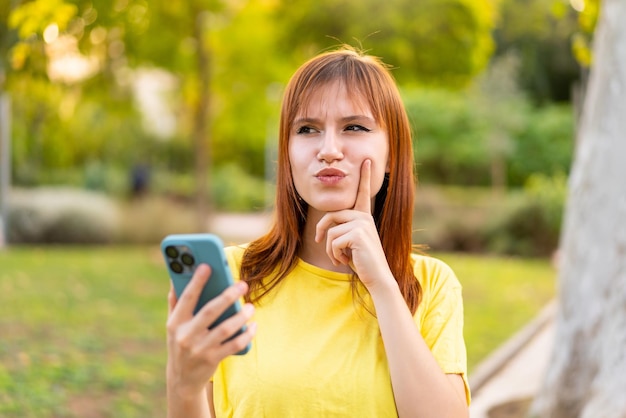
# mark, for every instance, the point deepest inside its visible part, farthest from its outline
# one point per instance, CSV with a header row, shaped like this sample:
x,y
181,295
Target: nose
x,y
330,148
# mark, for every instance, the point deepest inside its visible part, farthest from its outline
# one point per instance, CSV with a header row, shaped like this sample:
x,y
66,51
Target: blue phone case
x,y
183,253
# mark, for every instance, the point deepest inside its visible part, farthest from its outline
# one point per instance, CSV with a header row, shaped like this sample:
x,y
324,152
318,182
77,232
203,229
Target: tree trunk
x,y
5,163
201,137
587,374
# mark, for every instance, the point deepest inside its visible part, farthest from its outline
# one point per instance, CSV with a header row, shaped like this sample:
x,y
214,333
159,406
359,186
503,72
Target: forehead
x,y
335,94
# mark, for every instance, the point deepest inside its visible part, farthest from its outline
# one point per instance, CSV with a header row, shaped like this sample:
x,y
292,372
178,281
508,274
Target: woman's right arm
x,y
194,351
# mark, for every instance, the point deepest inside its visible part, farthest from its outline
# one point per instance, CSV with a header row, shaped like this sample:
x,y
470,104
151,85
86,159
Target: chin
x,y
333,206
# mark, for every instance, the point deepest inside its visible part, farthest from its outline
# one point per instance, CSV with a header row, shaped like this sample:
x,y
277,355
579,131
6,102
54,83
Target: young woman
x,y
350,322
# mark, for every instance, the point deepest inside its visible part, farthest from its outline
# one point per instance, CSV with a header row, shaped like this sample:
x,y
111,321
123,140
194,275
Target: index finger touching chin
x,y
363,201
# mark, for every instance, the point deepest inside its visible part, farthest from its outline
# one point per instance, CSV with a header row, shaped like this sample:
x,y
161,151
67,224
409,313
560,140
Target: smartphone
x,y
183,253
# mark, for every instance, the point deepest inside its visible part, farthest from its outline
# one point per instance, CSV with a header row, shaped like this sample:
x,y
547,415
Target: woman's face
x,y
328,142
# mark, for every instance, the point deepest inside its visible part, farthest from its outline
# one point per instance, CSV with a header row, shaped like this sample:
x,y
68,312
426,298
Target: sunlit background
x,y
125,120
182,100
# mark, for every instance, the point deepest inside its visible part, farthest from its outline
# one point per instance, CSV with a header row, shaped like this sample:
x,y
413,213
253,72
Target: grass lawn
x,y
83,328
500,295
82,332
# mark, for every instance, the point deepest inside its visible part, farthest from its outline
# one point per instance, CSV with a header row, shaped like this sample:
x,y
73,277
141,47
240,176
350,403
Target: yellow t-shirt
x,y
318,353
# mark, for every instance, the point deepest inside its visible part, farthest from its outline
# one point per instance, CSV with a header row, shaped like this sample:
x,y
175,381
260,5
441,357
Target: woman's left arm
x,y
420,387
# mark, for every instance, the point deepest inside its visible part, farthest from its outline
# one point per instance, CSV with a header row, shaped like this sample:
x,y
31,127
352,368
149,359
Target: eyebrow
x,y
304,120
357,118
345,119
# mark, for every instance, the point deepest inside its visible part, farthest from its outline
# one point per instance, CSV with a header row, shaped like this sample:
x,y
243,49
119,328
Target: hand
x,y
352,238
194,351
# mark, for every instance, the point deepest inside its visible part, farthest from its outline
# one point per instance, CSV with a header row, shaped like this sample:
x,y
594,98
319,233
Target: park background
x,y
131,119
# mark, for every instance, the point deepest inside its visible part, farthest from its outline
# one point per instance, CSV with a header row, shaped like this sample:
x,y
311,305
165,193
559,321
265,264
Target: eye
x,y
357,128
303,130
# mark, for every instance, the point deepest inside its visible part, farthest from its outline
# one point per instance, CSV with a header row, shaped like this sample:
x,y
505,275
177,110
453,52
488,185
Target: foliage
x,y
148,219
455,218
552,193
460,137
540,32
234,190
544,145
7,38
523,230
31,20
96,123
581,41
531,225
248,76
523,223
54,128
449,138
57,129
61,216
428,41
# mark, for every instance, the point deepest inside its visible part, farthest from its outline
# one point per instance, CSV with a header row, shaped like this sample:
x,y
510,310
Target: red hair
x,y
270,258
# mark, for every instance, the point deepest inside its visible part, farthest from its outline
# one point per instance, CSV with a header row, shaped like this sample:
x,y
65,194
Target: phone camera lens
x,y
187,259
176,267
171,251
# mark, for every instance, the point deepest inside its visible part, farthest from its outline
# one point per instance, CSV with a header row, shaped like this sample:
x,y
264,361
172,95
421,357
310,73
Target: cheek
x,y
380,166
294,161
297,167
378,176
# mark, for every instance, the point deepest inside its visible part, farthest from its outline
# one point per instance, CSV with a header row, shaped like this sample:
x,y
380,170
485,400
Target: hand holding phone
x,y
184,253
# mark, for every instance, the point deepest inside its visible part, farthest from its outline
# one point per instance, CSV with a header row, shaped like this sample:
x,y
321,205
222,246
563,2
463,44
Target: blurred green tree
x,y
225,64
32,22
114,39
588,11
540,33
442,42
59,93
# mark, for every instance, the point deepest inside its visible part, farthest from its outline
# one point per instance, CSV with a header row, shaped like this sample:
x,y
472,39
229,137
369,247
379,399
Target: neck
x,y
313,252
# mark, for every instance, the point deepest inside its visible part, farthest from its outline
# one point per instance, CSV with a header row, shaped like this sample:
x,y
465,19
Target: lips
x,y
330,175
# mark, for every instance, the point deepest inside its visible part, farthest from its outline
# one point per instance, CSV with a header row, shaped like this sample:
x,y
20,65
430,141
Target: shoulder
x,y
234,255
235,251
439,315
